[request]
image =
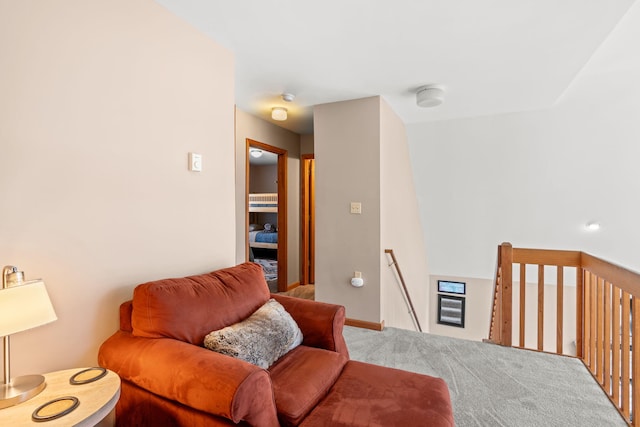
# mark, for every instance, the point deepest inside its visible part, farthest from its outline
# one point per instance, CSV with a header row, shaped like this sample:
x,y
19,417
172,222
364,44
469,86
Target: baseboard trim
x,y
364,324
293,286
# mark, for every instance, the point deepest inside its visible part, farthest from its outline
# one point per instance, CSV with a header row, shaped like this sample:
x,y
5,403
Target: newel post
x,y
506,279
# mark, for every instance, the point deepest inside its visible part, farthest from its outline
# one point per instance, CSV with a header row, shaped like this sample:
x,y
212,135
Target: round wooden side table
x,y
96,402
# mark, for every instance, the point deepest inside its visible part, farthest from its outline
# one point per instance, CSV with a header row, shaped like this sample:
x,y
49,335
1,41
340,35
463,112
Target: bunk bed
x,y
263,202
263,236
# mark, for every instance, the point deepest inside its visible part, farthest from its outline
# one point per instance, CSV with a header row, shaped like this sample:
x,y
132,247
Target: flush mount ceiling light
x,y
279,113
429,96
592,226
255,153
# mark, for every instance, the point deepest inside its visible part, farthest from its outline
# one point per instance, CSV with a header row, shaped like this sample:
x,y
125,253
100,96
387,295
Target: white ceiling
x,y
492,56
267,158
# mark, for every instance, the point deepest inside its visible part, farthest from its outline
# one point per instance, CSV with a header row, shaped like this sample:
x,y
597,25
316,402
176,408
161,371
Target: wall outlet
x,y
356,208
195,162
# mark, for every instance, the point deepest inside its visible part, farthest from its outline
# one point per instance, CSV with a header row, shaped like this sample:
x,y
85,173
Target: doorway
x,y
308,207
266,211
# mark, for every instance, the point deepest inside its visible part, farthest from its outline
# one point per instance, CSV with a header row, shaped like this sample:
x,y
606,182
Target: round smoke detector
x,y
430,96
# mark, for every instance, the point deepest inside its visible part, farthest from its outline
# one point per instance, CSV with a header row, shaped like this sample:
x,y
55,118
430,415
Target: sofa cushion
x,y
261,339
301,379
189,308
377,396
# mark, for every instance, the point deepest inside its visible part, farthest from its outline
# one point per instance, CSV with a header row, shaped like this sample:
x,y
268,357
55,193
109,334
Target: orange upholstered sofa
x,y
170,379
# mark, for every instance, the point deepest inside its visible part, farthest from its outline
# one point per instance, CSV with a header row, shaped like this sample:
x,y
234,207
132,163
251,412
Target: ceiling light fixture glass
x,y
255,153
429,96
279,113
592,226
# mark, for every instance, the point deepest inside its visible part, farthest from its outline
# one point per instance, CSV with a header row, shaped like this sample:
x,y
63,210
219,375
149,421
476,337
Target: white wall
x,y
534,179
347,153
306,144
362,156
400,229
101,102
263,179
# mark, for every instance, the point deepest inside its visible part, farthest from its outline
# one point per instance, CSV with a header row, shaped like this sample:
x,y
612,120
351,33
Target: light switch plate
x,y
356,208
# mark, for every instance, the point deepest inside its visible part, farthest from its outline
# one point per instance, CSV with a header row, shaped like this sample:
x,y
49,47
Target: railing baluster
x,y
497,324
593,327
496,333
635,344
587,319
580,312
615,346
606,372
607,328
559,309
523,294
494,328
624,405
600,331
541,307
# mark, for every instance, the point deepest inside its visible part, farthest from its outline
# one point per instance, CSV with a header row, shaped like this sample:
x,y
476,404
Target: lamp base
x,y
21,389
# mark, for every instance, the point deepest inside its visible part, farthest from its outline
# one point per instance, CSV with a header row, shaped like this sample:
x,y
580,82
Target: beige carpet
x,y
493,386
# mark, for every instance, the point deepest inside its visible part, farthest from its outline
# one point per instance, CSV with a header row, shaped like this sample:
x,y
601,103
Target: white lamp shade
x,y
24,307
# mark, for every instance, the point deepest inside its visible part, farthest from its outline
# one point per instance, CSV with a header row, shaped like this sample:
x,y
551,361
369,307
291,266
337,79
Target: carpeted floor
x,y
492,385
303,291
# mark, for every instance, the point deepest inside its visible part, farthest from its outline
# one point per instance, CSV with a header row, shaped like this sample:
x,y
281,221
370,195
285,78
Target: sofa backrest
x,y
189,308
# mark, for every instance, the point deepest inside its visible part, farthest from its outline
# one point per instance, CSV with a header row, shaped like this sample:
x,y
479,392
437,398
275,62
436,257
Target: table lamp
x,y
23,305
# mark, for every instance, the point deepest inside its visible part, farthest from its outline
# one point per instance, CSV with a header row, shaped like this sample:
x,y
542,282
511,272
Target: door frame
x,y
307,219
282,207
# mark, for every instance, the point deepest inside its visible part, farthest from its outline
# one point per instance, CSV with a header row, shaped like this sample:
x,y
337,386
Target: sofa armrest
x,y
321,323
194,376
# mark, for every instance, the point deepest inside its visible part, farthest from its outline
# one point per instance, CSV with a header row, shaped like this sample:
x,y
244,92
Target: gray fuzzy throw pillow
x,y
261,339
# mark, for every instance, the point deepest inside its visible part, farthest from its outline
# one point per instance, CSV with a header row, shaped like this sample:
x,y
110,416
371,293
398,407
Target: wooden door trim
x,y
307,231
282,207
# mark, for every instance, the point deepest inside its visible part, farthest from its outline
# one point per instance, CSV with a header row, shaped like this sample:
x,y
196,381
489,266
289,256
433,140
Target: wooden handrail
x,y
394,263
607,307
627,280
546,257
